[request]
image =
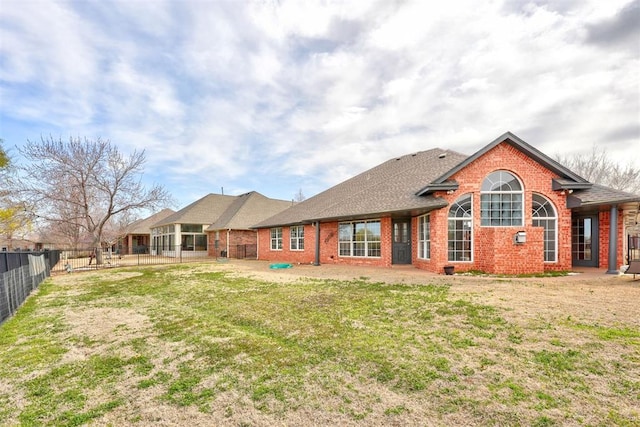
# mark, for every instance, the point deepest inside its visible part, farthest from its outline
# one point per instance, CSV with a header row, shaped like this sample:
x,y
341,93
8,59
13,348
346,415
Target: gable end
x,y
569,180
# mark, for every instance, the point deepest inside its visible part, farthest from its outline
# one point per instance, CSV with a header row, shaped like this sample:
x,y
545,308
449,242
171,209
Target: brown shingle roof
x,y
143,226
600,195
227,212
247,210
386,188
404,185
203,211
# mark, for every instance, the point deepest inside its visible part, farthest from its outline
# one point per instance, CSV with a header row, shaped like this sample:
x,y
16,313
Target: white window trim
x,y
273,240
521,192
298,238
367,256
420,241
473,240
555,211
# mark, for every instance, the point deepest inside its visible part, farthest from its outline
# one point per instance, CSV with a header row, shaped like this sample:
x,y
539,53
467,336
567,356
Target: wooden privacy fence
x,y
20,274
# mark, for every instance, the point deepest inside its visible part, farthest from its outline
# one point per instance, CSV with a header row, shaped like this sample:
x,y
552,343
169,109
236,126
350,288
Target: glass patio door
x,y
401,241
584,240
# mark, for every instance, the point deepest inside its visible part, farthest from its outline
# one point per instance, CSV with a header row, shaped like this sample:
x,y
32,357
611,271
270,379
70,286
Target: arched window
x,y
460,236
544,215
501,200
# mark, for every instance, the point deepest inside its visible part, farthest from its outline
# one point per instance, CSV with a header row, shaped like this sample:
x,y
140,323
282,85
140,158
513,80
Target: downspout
x,y
613,240
317,260
228,235
257,245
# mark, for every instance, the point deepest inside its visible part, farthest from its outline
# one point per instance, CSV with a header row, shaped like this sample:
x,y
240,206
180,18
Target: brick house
x,y
137,238
508,209
231,234
193,230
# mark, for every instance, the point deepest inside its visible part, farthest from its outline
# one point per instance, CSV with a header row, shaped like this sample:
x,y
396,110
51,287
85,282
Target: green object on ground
x,y
281,265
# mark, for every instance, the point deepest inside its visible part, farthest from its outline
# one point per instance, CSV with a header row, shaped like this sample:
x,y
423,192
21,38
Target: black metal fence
x,y
20,274
247,252
76,260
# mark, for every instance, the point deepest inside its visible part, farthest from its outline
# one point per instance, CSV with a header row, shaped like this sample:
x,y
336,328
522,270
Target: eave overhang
x,y
438,186
574,202
558,184
438,203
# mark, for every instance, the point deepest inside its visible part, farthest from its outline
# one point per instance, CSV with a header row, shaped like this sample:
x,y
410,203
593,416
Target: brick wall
x,y
498,253
233,238
286,254
240,237
328,246
493,247
211,241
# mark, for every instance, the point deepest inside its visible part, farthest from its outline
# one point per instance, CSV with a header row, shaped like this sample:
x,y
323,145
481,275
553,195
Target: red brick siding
x,y
222,243
240,237
500,254
233,238
439,236
286,254
328,246
493,247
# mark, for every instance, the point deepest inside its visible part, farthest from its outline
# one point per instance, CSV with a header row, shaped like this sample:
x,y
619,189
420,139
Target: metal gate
x,y
633,248
246,251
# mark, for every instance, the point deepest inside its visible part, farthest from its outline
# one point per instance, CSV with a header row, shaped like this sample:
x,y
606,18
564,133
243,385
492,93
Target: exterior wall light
x,y
520,237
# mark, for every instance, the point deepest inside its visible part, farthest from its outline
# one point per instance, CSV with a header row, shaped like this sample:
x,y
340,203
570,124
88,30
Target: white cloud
x,y
314,92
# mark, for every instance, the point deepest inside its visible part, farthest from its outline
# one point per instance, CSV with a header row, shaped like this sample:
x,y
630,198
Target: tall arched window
x,y
460,230
544,215
501,200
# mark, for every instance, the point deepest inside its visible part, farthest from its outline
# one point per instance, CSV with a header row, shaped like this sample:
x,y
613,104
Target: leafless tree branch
x,y
81,185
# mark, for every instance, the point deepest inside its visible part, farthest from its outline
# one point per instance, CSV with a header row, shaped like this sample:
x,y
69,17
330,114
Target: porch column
x,y
317,259
613,240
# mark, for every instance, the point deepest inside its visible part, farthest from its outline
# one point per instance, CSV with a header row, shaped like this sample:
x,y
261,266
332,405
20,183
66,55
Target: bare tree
x,y
299,197
82,185
599,168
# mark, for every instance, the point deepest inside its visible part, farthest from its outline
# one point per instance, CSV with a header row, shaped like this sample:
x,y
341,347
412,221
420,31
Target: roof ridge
x,y
241,201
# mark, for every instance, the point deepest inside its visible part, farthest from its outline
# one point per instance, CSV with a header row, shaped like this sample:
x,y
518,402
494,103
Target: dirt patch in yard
x,y
590,295
559,318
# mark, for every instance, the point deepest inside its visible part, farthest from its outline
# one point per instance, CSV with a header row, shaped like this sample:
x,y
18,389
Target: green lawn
x,y
193,344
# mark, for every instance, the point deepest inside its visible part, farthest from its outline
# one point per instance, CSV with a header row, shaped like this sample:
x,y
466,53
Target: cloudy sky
x,y
282,96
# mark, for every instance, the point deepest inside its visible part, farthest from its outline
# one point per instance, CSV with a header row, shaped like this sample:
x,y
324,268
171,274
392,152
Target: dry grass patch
x,y
227,344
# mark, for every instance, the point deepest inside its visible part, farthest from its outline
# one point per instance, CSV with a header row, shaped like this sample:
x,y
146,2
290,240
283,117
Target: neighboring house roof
x,y
203,211
387,188
247,210
143,226
227,212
